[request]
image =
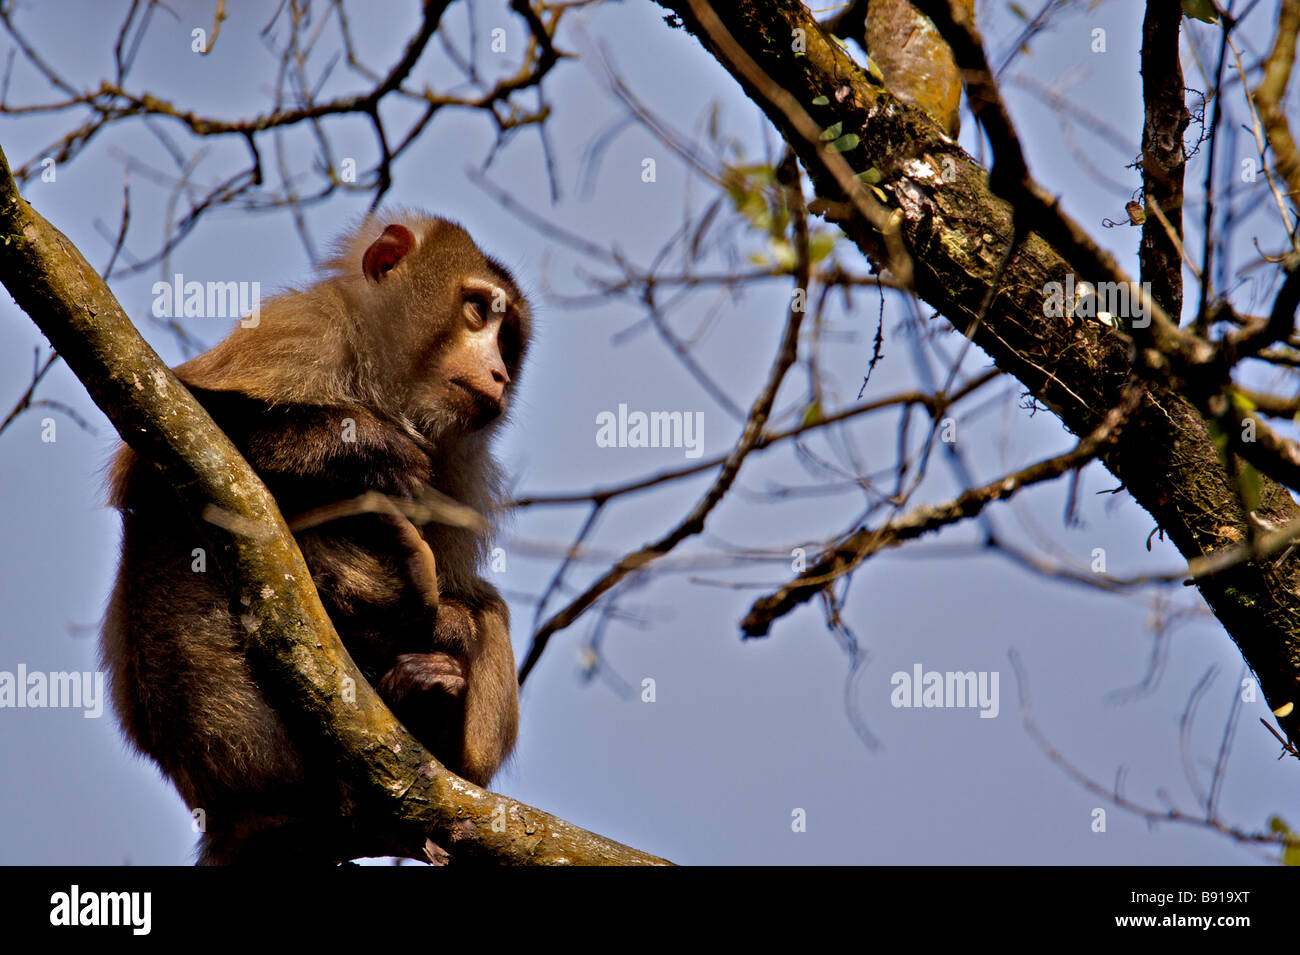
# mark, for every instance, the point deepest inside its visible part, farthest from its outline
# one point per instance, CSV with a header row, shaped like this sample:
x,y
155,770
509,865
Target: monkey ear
x,y
386,251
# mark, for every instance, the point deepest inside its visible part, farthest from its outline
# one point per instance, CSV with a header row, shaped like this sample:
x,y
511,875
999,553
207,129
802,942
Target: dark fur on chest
x,y
309,457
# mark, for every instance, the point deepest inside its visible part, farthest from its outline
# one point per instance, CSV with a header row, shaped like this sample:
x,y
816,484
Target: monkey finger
x,y
421,566
423,674
435,854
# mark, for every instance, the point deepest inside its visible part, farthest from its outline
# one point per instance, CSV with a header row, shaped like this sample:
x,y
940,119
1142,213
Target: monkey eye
x,y
476,310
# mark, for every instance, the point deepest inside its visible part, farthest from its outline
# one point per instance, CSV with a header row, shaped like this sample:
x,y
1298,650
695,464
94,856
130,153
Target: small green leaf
x,y
1201,10
870,176
845,143
880,194
812,414
822,101
782,254
832,132
874,71
1291,854
820,245
1249,485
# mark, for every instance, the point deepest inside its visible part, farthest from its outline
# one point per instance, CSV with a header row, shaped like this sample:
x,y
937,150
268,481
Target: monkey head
x,y
410,319
449,321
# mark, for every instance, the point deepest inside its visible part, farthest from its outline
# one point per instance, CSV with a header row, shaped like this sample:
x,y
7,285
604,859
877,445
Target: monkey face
x,y
461,380
472,369
461,320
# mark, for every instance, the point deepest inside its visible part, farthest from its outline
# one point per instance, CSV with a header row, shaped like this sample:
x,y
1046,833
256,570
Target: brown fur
x,y
384,340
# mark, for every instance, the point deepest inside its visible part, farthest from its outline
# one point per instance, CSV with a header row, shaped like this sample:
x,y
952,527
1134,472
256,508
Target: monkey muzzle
x,y
478,408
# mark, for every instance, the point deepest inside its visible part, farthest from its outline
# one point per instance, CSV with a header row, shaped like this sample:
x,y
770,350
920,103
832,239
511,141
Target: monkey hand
x,y
426,691
424,675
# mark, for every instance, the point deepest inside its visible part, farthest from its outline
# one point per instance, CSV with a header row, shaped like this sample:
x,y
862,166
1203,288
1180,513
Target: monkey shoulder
x,y
320,450
307,455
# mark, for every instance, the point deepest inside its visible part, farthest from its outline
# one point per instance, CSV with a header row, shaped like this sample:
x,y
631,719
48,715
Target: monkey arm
x,y
460,700
421,567
336,473
440,658
492,704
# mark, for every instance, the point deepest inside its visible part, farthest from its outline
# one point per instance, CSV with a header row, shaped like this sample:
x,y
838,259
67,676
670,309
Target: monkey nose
x,y
499,374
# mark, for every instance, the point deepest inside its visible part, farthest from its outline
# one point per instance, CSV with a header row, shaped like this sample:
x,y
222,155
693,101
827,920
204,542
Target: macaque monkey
x,y
390,374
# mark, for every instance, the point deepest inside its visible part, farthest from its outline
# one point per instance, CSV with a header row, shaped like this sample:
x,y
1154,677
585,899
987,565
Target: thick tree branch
x,y
1163,156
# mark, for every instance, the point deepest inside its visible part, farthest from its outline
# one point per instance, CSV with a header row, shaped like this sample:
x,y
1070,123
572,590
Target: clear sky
x,y
741,733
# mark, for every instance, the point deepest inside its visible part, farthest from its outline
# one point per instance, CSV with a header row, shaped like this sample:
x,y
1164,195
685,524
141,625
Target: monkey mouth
x,y
479,409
